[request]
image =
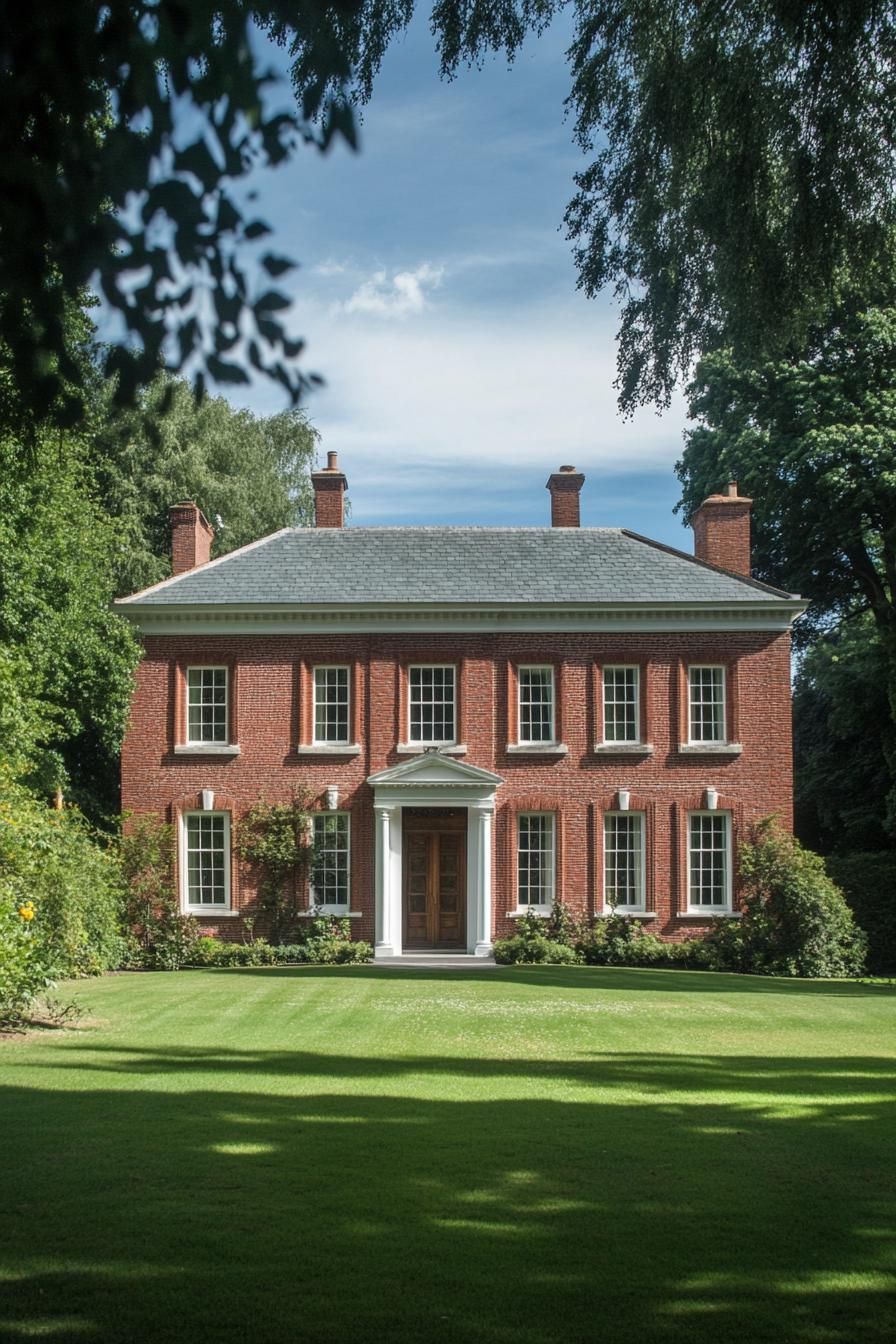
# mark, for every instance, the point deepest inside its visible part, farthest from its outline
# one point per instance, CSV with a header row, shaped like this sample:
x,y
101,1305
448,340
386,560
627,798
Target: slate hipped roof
x,y
404,566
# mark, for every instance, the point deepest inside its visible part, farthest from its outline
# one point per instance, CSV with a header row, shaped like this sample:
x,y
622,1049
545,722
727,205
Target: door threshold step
x,y
448,961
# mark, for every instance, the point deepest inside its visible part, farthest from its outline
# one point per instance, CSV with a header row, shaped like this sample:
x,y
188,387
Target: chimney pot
x,y
329,494
564,486
191,537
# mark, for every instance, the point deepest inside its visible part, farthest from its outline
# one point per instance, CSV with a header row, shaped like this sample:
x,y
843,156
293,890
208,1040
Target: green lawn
x,y
521,1155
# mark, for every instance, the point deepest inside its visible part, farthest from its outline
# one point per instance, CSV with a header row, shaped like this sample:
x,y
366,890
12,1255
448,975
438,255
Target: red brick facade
x,y
270,678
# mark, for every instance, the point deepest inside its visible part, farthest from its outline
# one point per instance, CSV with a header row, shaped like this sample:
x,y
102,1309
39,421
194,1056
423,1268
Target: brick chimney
x,y
329,494
191,537
564,486
722,530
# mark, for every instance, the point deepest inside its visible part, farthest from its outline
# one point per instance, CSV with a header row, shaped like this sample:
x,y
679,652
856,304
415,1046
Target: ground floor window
x,y
709,861
624,860
330,866
535,859
206,866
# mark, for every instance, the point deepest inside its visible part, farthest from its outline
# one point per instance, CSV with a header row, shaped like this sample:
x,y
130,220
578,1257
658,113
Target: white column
x,y
385,932
483,946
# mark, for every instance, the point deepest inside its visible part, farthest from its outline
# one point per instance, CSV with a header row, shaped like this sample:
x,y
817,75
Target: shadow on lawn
x,y
813,1079
157,1213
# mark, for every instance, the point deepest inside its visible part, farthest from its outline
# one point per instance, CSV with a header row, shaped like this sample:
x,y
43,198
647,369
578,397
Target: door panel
x,y
434,883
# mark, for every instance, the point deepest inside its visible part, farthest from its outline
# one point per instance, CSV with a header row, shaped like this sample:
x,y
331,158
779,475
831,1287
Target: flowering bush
x,y
24,974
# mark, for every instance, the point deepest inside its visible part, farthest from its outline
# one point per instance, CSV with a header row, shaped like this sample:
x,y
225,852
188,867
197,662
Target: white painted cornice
x,y
436,618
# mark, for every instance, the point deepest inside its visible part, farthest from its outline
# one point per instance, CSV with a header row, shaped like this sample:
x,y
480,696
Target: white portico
x,y
436,782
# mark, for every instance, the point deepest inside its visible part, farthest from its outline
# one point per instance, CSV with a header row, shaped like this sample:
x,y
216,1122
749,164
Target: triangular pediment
x,y
432,768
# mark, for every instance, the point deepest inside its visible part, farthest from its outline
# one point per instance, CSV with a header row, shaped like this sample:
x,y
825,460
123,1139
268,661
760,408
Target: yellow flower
x,y
27,911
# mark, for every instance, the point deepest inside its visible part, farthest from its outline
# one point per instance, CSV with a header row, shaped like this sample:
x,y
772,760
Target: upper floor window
x,y
331,704
536,704
624,860
431,704
709,861
706,704
207,704
535,859
206,865
622,718
330,866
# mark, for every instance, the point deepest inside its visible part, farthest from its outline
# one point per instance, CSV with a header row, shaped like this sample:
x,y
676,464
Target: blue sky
x,y
437,294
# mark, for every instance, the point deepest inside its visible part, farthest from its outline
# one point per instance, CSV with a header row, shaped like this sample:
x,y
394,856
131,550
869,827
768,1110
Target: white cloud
x,y
401,295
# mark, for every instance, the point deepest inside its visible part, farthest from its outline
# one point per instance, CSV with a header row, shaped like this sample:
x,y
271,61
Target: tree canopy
x,y
126,130
813,440
740,172
738,184
249,474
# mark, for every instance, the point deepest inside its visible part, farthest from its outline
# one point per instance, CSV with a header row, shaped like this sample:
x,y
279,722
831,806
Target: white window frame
x,y
432,741
640,905
331,741
208,741
727,907
621,741
183,864
722,671
552,717
545,907
330,909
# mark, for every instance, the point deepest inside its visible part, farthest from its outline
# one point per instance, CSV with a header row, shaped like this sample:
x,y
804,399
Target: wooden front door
x,y
435,886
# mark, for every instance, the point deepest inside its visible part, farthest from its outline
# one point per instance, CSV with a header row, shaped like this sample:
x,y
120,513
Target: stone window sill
x,y
207,749
623,748
630,914
541,910
204,912
329,911
329,749
420,749
708,914
537,749
710,749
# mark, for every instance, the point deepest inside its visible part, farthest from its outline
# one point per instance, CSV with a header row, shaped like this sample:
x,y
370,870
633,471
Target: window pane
x,y
207,704
536,691
621,704
329,874
331,704
709,855
707,693
207,859
431,699
623,866
535,858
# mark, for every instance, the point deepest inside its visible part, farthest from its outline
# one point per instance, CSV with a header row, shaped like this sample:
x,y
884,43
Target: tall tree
x,y
249,474
813,440
842,778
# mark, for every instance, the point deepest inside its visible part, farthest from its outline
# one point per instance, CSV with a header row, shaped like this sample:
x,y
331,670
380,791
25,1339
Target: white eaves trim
x,y
238,619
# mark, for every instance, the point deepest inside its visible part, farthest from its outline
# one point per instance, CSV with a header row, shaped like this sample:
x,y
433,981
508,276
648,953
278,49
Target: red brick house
x,y
490,719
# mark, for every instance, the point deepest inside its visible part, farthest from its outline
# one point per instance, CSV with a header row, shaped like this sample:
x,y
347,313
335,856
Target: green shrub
x,y
538,940
619,940
328,943
795,920
276,840
55,860
161,938
868,882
